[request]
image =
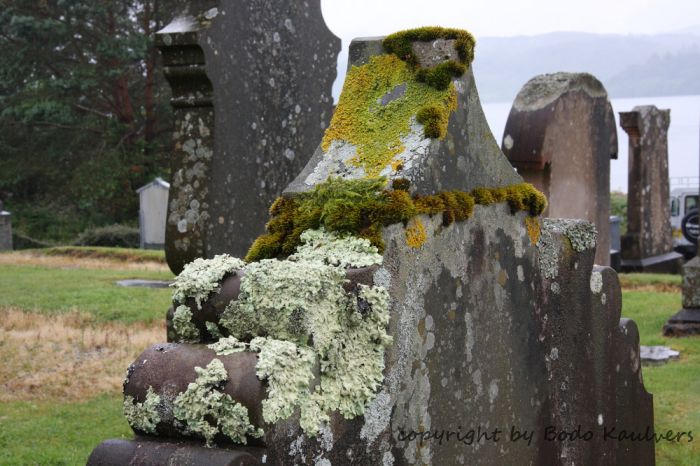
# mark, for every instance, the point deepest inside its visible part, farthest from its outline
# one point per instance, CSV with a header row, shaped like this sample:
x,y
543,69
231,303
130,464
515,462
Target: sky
x,y
357,18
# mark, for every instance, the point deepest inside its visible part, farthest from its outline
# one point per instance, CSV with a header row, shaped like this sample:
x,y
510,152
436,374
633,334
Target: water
x,y
683,134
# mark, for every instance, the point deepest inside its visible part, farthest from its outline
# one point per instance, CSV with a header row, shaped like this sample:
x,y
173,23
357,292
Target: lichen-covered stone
x,y
205,411
185,330
143,417
201,277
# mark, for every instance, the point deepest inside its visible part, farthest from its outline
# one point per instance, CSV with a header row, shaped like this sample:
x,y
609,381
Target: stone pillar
x,y
5,229
647,246
561,135
687,321
251,84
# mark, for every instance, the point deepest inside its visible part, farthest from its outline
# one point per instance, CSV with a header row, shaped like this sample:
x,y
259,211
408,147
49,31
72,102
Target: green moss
x,y
143,417
206,411
440,76
434,122
400,184
202,276
401,43
362,207
185,330
376,130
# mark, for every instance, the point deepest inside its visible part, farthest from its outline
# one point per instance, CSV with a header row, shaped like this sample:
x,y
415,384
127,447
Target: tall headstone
x,y
647,245
561,135
5,229
251,83
687,321
478,321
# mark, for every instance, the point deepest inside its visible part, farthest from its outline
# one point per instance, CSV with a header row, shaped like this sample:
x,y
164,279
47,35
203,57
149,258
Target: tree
x,y
84,116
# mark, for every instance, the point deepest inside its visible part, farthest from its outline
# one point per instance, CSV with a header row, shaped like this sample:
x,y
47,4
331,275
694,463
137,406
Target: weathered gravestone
x,y
153,210
5,229
647,246
251,83
687,321
422,317
561,135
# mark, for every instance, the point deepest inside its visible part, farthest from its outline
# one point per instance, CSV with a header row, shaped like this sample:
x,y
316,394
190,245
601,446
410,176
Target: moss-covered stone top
x,y
401,43
362,207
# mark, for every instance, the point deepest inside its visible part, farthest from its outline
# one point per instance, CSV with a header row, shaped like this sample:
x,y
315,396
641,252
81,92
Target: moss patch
x,y
415,233
375,128
362,207
401,43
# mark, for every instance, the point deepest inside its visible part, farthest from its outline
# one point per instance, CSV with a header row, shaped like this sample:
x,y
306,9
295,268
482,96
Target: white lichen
x,y
596,282
143,417
580,233
185,330
202,276
228,345
205,410
330,249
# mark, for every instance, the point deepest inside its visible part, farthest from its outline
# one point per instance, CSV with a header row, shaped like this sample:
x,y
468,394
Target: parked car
x,y
684,220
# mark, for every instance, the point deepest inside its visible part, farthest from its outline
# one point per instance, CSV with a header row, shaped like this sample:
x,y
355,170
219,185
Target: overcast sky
x,y
355,18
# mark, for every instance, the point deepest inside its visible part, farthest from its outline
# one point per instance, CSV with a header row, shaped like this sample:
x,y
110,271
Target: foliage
x,y
618,206
83,114
121,236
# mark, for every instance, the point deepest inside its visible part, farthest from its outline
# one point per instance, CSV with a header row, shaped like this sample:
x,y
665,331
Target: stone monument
x,y
687,321
561,135
5,229
251,84
153,211
647,246
407,305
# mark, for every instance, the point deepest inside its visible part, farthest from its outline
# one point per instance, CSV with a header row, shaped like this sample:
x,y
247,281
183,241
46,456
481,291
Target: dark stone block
x,y
251,86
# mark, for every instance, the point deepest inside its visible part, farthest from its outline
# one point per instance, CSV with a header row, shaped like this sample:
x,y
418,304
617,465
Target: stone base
x,y
615,260
685,323
671,262
141,452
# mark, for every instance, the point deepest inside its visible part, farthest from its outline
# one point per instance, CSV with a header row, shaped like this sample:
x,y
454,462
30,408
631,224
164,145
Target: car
x,y
684,220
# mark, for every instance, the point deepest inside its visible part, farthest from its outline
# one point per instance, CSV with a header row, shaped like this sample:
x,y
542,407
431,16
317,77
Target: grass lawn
x,y
59,295
676,385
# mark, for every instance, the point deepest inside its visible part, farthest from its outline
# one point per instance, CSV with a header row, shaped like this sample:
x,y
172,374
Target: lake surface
x,y
683,135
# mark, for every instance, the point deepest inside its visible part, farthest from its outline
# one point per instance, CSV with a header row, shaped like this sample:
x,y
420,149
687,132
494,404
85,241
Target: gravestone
x,y
615,243
561,135
686,322
251,84
426,314
5,229
153,210
647,246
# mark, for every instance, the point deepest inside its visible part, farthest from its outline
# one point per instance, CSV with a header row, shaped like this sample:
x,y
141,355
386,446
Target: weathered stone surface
x,y
498,322
142,452
5,229
561,135
251,88
647,246
657,354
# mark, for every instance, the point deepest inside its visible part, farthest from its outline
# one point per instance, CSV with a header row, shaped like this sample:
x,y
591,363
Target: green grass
x,y
58,434
95,252
93,292
632,279
676,385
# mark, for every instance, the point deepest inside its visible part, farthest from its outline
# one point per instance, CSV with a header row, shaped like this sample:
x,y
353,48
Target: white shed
x,y
153,211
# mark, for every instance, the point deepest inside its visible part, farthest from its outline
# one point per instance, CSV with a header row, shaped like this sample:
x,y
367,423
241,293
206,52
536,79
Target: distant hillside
x,y
628,65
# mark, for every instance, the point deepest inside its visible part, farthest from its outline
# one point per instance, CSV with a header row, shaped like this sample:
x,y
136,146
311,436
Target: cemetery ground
x,y
67,332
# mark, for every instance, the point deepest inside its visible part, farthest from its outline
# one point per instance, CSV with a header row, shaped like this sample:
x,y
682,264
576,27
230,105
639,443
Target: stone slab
x,y
651,355
138,283
251,86
685,322
671,262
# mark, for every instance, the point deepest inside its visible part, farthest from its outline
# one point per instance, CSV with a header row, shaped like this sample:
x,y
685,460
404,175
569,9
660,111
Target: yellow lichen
x,y
533,229
415,233
375,128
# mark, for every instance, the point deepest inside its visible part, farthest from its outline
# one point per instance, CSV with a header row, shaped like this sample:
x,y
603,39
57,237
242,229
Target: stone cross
x,y
561,135
251,84
647,245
